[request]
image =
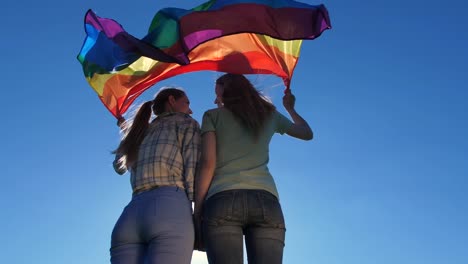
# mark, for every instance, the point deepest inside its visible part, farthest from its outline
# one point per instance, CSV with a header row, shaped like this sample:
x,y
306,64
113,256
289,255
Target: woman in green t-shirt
x,y
235,193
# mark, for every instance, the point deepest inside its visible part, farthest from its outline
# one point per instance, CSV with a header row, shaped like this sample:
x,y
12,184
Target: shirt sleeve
x,y
207,122
119,167
191,149
283,124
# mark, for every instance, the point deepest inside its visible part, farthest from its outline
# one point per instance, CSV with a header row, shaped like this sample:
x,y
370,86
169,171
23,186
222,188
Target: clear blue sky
x,y
385,181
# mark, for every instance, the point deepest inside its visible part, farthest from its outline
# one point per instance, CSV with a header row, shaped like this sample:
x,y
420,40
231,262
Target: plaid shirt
x,y
168,155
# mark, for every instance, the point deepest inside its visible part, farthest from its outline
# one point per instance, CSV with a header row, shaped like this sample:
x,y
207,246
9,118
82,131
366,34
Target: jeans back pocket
x,y
272,211
218,208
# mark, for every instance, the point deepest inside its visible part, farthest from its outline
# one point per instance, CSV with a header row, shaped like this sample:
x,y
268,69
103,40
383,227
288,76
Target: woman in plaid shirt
x,y
161,155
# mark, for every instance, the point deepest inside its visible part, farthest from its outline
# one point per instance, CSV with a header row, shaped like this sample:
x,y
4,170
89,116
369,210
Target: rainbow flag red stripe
x,y
246,37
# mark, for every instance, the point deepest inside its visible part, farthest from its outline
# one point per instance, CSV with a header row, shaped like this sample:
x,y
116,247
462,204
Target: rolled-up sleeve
x,y
119,165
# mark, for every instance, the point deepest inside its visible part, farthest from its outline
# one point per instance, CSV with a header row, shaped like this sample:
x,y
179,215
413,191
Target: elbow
x,y
309,136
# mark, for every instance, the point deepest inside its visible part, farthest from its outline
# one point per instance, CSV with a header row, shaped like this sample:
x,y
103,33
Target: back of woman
x,y
241,159
236,194
156,226
168,154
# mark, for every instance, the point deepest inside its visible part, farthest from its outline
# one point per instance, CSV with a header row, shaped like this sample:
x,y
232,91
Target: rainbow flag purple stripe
x,y
247,37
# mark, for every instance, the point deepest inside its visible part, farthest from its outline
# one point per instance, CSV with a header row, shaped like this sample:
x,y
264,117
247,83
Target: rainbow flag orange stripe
x,y
120,67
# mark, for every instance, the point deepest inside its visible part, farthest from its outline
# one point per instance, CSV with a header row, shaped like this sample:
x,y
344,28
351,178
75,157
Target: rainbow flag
x,y
245,37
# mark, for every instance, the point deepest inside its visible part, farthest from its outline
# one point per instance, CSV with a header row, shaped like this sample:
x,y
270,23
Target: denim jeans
x,y
255,214
155,227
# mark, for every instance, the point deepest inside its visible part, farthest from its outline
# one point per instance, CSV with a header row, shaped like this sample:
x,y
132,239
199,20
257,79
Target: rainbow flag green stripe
x,y
230,36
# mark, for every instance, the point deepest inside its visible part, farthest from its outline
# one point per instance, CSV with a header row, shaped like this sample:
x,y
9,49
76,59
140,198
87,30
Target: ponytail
x,y
129,145
131,142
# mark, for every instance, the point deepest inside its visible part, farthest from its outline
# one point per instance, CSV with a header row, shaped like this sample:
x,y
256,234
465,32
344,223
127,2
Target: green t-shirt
x,y
241,161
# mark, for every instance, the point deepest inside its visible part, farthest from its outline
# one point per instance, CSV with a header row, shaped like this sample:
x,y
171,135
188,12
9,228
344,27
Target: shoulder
x,y
179,120
214,111
182,117
187,120
214,115
277,115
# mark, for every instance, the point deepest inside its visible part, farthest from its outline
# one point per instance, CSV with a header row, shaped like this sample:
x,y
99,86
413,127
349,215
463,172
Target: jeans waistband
x,y
157,189
245,191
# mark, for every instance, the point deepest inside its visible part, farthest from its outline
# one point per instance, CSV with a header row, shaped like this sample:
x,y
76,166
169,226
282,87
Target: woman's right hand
x,y
197,221
300,129
289,100
120,122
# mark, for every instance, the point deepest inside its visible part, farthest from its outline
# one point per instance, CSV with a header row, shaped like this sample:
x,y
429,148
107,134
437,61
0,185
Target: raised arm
x,y
300,129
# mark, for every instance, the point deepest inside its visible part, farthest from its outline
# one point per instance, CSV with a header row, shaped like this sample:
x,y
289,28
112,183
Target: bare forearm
x,y
207,169
299,121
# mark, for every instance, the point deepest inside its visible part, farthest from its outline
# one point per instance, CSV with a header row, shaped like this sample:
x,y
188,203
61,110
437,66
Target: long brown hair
x,y
131,141
245,102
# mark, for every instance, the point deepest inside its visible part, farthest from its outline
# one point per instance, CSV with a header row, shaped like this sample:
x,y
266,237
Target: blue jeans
x,y
155,227
255,214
